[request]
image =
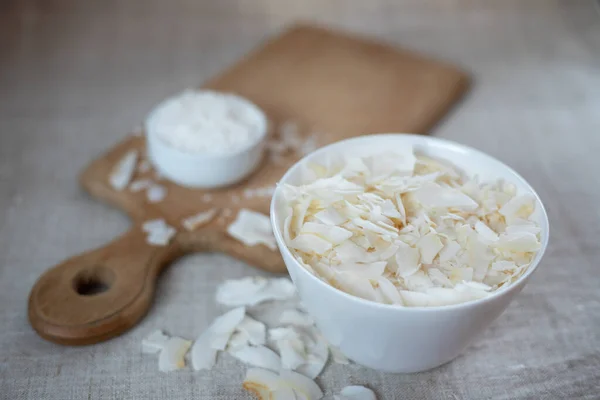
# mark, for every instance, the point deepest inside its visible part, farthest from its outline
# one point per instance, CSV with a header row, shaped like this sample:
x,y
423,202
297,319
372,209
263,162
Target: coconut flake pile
x,y
405,229
206,122
265,328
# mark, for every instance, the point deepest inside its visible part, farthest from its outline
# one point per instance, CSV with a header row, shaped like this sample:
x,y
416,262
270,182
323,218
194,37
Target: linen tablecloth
x,y
75,76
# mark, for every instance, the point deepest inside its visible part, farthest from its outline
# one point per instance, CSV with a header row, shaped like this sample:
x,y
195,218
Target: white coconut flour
x,y
405,229
202,121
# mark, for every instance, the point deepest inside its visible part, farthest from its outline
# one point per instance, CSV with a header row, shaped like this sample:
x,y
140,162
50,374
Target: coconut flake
x,y
449,251
389,291
520,242
429,246
255,331
197,220
222,328
258,356
139,185
357,393
407,259
202,354
330,216
155,342
485,231
172,356
158,232
156,193
432,195
296,318
318,354
252,291
332,234
519,207
261,382
252,228
310,244
123,171
302,385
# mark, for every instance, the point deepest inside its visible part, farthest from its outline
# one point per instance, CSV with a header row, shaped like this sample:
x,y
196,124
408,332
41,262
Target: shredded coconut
x,y
408,230
202,121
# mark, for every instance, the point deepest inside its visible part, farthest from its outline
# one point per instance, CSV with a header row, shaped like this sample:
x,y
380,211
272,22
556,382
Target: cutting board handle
x,y
101,293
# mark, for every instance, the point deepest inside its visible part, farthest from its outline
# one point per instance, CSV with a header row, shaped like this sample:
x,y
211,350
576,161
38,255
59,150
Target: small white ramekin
x,y
206,170
392,338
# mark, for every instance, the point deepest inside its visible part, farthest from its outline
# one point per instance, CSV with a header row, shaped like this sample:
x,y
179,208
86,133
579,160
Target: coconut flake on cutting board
x,y
195,221
252,228
156,193
122,172
158,232
139,185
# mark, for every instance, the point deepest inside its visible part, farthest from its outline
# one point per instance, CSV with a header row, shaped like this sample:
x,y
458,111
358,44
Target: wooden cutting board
x,y
332,85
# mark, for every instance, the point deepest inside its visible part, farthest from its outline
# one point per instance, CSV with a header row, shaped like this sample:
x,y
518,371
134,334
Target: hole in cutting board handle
x,y
93,281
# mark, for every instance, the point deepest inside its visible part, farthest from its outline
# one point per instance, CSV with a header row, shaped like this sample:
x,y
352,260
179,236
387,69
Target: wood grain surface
x,y
333,86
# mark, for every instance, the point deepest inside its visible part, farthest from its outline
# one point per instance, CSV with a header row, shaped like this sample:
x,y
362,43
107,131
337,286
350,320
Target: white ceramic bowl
x,y
392,338
205,170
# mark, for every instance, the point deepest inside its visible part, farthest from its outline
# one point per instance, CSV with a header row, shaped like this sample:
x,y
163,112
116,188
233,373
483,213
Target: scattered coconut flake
x,y
291,348
297,318
268,385
159,233
252,228
254,331
197,220
261,382
385,225
252,291
139,185
357,393
303,386
156,193
122,172
318,353
203,355
155,342
258,356
222,328
172,356
206,197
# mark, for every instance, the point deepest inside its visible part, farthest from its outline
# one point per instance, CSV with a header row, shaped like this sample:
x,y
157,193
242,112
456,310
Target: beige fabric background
x,y
74,76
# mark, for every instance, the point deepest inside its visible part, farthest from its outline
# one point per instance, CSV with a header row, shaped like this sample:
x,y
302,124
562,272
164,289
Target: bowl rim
x,y
369,303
